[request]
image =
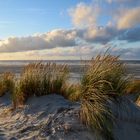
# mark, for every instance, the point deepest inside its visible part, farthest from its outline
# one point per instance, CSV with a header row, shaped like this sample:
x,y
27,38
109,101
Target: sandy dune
x,y
54,118
48,117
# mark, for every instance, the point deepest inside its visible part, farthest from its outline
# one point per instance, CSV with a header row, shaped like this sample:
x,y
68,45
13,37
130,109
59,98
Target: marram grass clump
x,y
7,82
104,80
18,98
71,92
39,79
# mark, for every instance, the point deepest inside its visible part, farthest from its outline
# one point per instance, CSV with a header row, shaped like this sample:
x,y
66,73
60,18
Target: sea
x,y
76,67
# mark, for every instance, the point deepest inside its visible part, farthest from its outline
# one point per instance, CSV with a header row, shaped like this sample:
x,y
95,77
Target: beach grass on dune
x,y
104,80
7,83
39,79
71,92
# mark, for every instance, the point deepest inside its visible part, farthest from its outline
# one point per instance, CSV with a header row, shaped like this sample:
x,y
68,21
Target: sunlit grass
x,y
18,98
6,83
71,92
104,80
39,79
133,87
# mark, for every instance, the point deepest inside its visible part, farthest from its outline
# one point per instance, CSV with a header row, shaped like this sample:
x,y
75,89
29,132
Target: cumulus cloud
x,y
53,39
84,14
60,38
15,44
129,18
88,51
106,34
87,40
68,38
127,53
101,35
54,53
131,35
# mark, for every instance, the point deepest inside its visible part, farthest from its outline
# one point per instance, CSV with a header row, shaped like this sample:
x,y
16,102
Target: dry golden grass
x,y
104,80
39,79
71,92
6,83
133,87
18,98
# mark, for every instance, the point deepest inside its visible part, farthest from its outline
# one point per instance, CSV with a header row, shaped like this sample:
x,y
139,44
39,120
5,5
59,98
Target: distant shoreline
x,y
76,69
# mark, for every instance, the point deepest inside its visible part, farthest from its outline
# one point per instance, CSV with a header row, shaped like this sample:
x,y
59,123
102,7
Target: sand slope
x,y
54,118
127,115
48,117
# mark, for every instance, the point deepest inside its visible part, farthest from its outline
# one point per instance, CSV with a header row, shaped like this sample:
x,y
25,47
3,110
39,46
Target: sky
x,y
72,29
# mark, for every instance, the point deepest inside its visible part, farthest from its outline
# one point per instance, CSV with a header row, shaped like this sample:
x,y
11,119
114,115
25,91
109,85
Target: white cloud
x,y
129,18
128,52
68,38
101,35
84,15
131,35
53,39
85,40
